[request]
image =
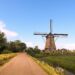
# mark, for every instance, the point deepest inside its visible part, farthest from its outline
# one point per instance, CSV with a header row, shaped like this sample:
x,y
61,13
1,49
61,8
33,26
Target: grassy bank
x,y
66,62
6,57
57,58
49,69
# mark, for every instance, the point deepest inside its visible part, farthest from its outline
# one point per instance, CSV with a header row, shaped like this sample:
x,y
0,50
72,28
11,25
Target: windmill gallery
x,y
50,43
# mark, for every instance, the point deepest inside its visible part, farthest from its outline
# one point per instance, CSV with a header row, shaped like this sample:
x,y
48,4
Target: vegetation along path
x,y
22,64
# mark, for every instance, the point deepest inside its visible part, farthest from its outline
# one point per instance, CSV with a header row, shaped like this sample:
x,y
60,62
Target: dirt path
x,y
22,64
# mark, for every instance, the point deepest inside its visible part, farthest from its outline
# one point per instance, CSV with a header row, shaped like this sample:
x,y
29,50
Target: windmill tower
x,y
50,42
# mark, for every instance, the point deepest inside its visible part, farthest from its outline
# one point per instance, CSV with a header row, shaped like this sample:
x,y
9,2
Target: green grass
x,y
67,62
49,69
57,58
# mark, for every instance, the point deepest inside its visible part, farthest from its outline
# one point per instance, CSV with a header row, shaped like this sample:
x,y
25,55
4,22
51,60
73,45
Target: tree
x,y
17,46
36,49
12,46
30,51
3,41
22,46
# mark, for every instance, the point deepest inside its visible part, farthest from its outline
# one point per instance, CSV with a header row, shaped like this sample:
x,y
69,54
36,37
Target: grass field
x,y
66,62
56,58
49,69
5,57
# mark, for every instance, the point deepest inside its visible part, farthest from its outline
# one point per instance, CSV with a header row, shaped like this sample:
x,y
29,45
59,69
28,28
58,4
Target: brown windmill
x,y
50,43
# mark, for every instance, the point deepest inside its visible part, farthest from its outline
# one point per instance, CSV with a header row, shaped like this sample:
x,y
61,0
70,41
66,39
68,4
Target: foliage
x,y
33,51
5,51
12,46
3,41
16,46
60,52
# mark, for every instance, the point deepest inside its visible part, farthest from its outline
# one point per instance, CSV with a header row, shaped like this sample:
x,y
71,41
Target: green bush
x,y
6,51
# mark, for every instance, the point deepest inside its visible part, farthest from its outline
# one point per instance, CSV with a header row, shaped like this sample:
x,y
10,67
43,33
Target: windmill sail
x,y
50,26
50,43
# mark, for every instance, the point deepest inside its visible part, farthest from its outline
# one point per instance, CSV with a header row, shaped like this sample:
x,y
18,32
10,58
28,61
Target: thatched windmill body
x,y
50,42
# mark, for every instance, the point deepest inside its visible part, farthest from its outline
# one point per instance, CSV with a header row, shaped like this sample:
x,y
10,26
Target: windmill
x,y
50,42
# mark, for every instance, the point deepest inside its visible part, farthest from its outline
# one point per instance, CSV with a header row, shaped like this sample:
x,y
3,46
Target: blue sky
x,y
19,19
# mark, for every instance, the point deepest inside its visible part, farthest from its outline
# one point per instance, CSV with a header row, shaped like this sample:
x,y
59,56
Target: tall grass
x,y
49,69
67,62
5,57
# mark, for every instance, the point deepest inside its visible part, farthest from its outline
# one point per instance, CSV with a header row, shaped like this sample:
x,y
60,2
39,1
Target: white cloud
x,y
7,32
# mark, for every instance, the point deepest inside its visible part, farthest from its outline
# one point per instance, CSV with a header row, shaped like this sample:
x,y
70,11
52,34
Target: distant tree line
x,y
16,46
12,46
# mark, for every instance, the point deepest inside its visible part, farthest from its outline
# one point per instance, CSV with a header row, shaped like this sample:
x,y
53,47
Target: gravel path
x,y
22,64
